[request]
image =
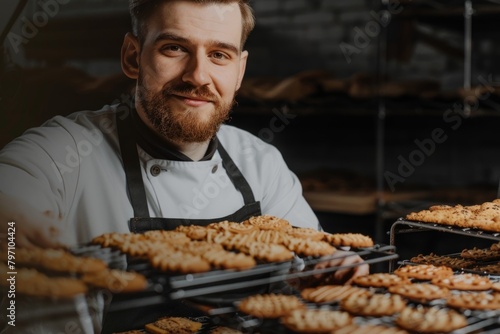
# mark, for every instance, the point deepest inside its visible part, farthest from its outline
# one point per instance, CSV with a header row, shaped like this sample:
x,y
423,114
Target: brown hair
x,y
141,10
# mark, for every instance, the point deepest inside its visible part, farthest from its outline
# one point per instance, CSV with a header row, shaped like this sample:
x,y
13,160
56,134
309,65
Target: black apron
x,y
142,222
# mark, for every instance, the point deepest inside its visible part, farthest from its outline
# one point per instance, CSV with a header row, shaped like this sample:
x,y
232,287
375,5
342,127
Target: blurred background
x,y
382,107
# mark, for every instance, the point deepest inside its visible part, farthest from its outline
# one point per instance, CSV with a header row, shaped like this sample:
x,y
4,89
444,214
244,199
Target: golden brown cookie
x,y
475,301
168,237
306,233
330,293
356,240
496,286
168,325
233,227
369,329
464,282
228,260
33,283
305,247
224,330
423,271
58,260
178,261
421,293
380,280
267,252
430,320
268,222
315,320
194,232
269,305
117,281
374,305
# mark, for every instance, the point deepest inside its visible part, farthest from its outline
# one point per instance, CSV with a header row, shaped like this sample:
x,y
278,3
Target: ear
x,y
130,56
243,66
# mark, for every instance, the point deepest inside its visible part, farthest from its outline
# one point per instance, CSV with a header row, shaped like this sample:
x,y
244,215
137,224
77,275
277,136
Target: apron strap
x,y
131,165
235,175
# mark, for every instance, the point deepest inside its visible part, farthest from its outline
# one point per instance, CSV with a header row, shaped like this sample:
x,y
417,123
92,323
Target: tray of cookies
x,y
193,261
415,298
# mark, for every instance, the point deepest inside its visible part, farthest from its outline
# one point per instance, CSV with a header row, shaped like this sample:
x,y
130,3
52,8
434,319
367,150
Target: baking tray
x,y
402,225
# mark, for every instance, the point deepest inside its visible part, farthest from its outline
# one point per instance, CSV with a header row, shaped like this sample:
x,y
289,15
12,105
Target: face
x,y
189,68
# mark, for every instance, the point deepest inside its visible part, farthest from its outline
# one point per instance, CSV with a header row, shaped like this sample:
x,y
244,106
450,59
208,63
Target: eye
x,y
219,55
220,58
172,49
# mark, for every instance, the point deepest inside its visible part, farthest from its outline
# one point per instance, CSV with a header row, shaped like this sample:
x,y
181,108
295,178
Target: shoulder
x,y
243,143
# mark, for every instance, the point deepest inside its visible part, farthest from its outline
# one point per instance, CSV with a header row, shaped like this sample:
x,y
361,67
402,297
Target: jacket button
x,y
215,168
155,170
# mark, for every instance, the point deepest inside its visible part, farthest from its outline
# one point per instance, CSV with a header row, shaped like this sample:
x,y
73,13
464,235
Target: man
x,y
164,161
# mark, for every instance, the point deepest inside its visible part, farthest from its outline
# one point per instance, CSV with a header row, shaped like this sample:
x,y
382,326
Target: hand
x,y
354,267
32,228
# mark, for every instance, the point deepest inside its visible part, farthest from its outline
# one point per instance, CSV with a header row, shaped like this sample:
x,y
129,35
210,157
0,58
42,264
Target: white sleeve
x,y
283,193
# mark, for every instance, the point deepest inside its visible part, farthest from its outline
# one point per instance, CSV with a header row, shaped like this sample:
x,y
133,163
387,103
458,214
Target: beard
x,y
183,125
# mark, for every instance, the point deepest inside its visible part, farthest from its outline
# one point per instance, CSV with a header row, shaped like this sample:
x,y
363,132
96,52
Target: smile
x,y
193,101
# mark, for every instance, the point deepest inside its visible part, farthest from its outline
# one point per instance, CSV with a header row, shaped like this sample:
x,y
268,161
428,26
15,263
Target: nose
x,y
196,72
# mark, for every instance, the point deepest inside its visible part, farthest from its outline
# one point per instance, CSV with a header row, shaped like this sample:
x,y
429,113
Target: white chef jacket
x,y
72,167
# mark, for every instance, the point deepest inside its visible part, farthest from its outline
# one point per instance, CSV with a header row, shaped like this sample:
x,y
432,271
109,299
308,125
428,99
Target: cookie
x,y
489,268
439,260
478,254
375,305
117,281
306,233
355,240
268,222
228,260
380,280
496,286
194,232
474,301
464,282
423,271
224,330
330,293
369,329
31,282
430,320
58,260
169,237
422,293
267,252
168,325
269,305
233,227
305,247
315,320
178,261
